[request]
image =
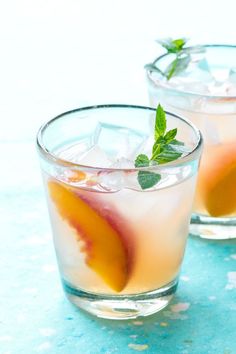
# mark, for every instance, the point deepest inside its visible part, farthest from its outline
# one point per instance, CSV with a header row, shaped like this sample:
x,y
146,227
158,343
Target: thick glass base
x,y
121,307
213,228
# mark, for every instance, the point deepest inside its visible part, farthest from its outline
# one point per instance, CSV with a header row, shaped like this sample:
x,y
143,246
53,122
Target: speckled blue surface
x,y
35,316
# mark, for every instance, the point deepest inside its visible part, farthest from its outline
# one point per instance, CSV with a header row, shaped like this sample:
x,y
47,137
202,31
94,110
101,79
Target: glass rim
x,y
189,93
51,157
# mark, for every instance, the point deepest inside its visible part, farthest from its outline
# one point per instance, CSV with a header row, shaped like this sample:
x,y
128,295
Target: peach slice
x,y
105,245
75,176
217,179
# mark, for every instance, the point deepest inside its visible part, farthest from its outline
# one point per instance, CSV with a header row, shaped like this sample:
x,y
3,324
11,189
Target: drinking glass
x,y
205,93
119,247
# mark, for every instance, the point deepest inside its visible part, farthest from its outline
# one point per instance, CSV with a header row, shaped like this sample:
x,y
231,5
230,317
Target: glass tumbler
x,y
119,247
205,93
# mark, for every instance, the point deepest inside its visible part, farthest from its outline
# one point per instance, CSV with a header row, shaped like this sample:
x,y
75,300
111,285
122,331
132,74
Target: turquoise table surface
x,y
35,316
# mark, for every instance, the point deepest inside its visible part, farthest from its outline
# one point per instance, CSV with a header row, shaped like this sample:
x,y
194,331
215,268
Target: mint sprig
x,y
172,45
182,56
163,151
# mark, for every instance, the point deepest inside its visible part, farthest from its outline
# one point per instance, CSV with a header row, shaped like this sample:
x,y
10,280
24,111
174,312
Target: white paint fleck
x,y
49,268
231,281
133,336
47,332
164,324
175,315
180,307
43,346
212,297
233,256
138,347
5,338
138,323
184,278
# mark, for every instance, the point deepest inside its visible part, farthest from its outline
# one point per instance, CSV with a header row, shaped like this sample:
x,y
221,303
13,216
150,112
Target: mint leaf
x,y
141,161
177,66
177,142
179,43
156,149
170,135
148,179
160,140
160,123
167,154
170,70
172,46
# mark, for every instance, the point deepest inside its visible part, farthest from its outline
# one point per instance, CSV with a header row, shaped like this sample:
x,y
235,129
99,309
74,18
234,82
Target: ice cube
x,y
117,141
198,58
232,76
189,84
196,87
231,90
203,65
146,146
220,75
112,180
224,82
117,180
73,152
129,178
222,89
123,162
194,78
94,157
